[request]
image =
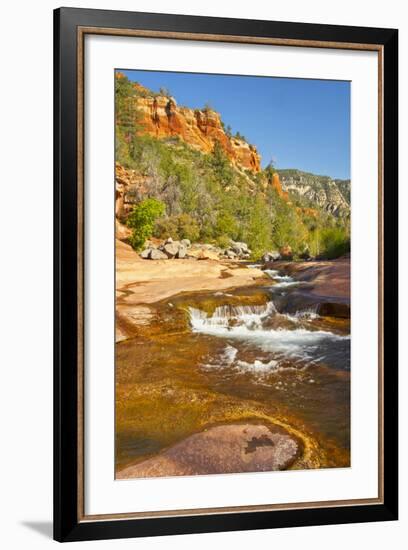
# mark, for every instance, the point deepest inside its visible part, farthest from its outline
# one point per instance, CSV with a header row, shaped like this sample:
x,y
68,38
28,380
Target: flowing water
x,y
217,357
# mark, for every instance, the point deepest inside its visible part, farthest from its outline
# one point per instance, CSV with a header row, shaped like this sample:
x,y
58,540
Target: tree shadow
x,y
44,528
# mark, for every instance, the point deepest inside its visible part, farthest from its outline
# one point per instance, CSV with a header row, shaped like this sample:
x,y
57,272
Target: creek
x,y
211,358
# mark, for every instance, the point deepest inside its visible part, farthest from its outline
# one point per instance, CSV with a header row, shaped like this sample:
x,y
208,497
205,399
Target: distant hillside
x,y
332,195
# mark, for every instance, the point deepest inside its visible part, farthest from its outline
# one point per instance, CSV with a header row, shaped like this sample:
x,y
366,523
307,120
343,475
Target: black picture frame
x,y
67,523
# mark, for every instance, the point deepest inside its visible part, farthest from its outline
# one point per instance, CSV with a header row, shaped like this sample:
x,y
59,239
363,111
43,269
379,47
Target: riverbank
x,y
140,282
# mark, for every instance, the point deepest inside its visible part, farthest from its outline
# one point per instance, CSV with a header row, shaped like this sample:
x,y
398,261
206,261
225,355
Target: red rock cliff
x,y
276,184
161,117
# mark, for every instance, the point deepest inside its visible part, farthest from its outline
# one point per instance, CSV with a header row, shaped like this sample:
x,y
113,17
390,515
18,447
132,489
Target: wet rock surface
x,y
221,449
199,350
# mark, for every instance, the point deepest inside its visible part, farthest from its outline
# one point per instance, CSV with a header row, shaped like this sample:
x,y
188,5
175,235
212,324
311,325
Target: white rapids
x,y
245,324
282,281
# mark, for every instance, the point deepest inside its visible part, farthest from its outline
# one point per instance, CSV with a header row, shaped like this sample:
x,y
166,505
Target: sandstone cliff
x,y
161,117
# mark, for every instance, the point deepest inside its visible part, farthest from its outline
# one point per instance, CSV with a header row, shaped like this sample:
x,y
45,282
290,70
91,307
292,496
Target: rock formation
x,y
161,117
331,195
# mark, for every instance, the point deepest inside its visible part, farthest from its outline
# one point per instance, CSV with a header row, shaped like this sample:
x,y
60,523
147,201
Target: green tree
x,y
335,242
178,227
270,169
226,225
258,230
165,92
142,220
221,165
127,119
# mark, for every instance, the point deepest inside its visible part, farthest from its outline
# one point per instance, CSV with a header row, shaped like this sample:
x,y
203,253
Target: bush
x,y
223,241
178,227
226,224
335,242
142,220
258,232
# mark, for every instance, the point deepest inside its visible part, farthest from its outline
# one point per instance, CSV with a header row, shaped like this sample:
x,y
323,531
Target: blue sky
x,y
298,123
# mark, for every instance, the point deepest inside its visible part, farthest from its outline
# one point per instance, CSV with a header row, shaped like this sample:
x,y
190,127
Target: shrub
x,y
258,232
226,224
178,227
142,220
335,242
166,227
223,241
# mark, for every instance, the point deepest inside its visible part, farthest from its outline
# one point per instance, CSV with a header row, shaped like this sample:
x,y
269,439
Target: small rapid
x,y
227,317
248,325
282,281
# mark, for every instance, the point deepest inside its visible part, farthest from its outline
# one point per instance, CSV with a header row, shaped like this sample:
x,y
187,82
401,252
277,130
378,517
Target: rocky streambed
x,y
252,377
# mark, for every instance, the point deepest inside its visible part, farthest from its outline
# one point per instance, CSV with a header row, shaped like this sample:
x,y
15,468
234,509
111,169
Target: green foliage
x,y
258,231
178,227
165,92
335,242
221,165
127,119
142,219
238,135
226,224
270,169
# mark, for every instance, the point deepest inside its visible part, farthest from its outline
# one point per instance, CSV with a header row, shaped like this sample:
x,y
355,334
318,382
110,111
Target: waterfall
x,y
246,324
228,316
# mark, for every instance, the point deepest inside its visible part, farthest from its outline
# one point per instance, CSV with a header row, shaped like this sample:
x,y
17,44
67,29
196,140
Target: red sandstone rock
x,y
276,184
161,117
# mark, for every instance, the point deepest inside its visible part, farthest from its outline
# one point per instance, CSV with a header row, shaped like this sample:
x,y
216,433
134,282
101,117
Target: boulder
x,y
146,253
271,257
239,248
182,251
230,254
157,255
286,252
171,249
204,252
168,241
122,232
186,243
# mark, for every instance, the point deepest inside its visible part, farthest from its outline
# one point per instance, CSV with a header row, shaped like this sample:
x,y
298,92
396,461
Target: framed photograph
x,y
225,274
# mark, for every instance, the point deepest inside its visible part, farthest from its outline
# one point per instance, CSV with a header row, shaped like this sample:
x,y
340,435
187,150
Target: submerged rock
x,y
222,449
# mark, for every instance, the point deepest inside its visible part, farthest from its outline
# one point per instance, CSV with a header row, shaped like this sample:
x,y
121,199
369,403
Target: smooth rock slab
x,y
223,449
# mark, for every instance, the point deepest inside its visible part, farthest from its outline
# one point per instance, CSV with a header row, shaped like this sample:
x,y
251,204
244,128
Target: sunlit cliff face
x,y
161,117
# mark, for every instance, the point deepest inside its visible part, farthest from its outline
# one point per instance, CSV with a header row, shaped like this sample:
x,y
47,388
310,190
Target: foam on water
x,y
226,316
245,323
258,367
272,273
308,314
286,284
282,281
